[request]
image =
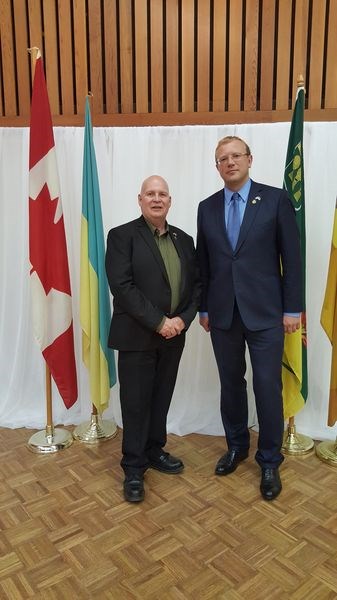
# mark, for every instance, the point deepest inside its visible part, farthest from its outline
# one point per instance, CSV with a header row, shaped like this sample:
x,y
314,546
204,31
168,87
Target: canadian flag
x,y
49,273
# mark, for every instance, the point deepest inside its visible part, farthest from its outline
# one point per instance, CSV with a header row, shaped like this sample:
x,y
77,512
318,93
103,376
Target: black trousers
x,y
265,349
147,380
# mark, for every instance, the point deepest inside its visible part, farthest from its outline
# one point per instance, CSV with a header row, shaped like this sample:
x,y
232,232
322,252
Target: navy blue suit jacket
x,y
252,274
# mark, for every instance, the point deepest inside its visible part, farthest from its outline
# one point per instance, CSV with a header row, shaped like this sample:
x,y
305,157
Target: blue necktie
x,y
233,221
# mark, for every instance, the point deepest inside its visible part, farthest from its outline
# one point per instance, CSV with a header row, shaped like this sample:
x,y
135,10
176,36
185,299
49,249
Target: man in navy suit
x,y
248,249
152,273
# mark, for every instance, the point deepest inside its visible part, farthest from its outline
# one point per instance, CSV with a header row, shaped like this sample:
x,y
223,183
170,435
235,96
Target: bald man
x,y
152,273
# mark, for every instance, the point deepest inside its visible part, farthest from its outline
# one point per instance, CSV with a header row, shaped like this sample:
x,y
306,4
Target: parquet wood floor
x,y
66,533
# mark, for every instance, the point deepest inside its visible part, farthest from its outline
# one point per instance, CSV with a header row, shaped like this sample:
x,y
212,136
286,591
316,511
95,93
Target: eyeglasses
x,y
236,157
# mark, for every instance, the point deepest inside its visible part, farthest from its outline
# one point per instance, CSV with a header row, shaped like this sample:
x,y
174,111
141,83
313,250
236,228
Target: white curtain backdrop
x,y
185,157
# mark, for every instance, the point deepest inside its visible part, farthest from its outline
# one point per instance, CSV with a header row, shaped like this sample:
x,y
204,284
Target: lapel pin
x,y
256,199
174,235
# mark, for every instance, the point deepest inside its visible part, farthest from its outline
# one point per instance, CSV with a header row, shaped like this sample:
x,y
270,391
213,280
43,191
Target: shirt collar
x,y
244,192
154,229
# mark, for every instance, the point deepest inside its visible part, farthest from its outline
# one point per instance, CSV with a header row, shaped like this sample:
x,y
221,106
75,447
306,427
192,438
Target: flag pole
x,y
293,442
96,430
51,439
327,452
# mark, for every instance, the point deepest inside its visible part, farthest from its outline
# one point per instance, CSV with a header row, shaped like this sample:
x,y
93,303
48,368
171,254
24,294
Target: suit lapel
x,y
218,215
148,237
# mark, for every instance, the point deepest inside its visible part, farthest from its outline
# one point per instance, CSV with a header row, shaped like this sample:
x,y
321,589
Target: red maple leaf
x,y
47,243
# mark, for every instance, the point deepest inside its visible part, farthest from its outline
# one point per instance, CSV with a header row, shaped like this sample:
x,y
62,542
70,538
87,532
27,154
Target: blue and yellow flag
x,y
95,312
294,361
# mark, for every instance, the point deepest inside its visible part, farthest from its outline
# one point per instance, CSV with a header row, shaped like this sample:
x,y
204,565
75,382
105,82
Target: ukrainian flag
x,y
95,312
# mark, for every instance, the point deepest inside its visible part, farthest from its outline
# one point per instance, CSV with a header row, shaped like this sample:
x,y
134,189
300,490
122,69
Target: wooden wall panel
x,y
1,88
317,53
235,55
66,55
267,35
283,55
251,55
156,58
8,59
22,56
219,55
95,48
172,57
300,44
170,61
141,48
187,57
110,50
80,50
35,34
331,63
126,63
51,57
203,56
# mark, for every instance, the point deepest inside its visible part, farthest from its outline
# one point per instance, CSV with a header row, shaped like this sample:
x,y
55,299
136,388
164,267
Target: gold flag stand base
x,y
327,451
50,440
95,430
296,443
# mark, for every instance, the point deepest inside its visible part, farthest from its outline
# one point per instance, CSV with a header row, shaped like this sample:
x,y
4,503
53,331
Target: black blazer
x,y
140,287
252,274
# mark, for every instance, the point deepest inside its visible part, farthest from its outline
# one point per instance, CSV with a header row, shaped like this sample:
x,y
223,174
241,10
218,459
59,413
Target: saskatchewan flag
x,y
329,321
95,312
294,361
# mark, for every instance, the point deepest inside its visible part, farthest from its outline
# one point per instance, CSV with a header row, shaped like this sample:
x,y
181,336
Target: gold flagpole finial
x,y
300,81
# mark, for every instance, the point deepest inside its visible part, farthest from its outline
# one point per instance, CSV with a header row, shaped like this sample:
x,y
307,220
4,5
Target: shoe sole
x,y
133,499
224,473
270,498
232,470
168,472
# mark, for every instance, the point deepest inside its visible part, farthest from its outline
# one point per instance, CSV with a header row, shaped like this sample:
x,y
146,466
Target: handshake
x,y
171,327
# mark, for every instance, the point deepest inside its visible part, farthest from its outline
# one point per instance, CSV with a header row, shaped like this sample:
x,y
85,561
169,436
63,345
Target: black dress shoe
x,y
166,463
134,488
270,483
229,461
